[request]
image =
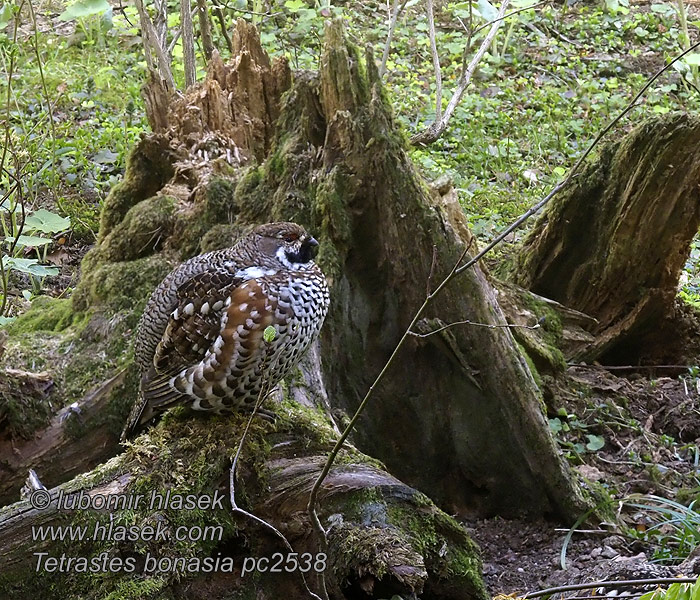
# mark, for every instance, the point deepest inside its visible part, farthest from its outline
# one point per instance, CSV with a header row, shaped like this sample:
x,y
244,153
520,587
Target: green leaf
x,y
30,266
692,59
295,5
555,425
84,8
29,240
105,157
269,334
486,10
5,15
595,442
46,222
6,320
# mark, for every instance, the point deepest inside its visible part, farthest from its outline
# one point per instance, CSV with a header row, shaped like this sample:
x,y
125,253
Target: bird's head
x,y
287,244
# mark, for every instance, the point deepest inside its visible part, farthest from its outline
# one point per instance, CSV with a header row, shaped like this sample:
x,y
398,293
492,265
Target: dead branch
x,y
436,129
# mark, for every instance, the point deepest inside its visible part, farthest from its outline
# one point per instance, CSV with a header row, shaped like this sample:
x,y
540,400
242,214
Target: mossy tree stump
x,y
614,244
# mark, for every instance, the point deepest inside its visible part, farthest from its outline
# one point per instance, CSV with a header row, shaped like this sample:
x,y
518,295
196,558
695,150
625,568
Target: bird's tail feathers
x,y
156,395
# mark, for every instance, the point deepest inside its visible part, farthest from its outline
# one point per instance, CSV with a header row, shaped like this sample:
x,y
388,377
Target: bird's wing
x,y
195,324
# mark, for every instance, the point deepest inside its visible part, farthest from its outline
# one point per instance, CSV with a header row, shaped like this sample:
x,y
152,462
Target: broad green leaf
x,y
30,266
84,8
6,320
595,442
486,10
29,240
46,222
105,157
692,59
555,425
295,5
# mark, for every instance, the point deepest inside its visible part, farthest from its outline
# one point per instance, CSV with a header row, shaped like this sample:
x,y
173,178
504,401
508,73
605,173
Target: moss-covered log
x,y
384,537
614,244
76,439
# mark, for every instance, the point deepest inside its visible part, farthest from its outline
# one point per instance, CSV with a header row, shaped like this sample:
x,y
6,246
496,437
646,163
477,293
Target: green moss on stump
x,y
149,167
142,231
122,285
220,204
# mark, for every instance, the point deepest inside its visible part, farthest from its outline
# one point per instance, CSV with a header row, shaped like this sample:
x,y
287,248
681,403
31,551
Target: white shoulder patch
x,y
254,272
250,273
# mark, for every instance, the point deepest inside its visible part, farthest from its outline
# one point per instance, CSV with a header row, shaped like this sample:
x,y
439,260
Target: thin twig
x,y
396,11
510,14
629,367
468,322
630,595
264,388
436,59
222,23
173,41
609,584
151,43
43,84
4,273
432,271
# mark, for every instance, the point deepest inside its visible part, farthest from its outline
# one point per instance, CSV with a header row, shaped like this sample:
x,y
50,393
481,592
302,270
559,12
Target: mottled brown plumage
x,y
200,339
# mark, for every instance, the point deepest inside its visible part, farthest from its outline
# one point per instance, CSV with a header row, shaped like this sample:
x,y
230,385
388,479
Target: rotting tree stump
x,y
613,245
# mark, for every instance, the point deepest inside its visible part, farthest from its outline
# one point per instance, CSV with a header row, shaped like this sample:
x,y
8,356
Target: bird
x,y
204,339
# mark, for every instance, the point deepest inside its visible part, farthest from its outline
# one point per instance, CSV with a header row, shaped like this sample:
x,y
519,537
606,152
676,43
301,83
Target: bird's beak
x,y
311,247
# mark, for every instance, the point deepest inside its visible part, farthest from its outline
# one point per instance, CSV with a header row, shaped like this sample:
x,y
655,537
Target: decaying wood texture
x,y
385,538
74,441
614,244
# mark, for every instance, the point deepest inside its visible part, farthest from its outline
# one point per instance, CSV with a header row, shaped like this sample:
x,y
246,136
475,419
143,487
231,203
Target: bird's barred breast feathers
x,y
200,339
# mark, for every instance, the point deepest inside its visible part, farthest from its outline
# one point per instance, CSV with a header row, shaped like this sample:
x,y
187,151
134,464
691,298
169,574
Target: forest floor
x,y
646,474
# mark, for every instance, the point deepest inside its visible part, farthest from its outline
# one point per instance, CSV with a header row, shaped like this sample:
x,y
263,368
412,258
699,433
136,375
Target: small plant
x,y
578,441
676,591
20,237
93,18
671,527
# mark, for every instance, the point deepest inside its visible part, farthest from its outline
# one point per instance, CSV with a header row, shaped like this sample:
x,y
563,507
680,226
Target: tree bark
x,y
613,246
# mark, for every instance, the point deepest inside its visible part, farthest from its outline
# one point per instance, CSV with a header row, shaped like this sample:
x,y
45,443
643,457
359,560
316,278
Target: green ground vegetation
x,y
554,76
